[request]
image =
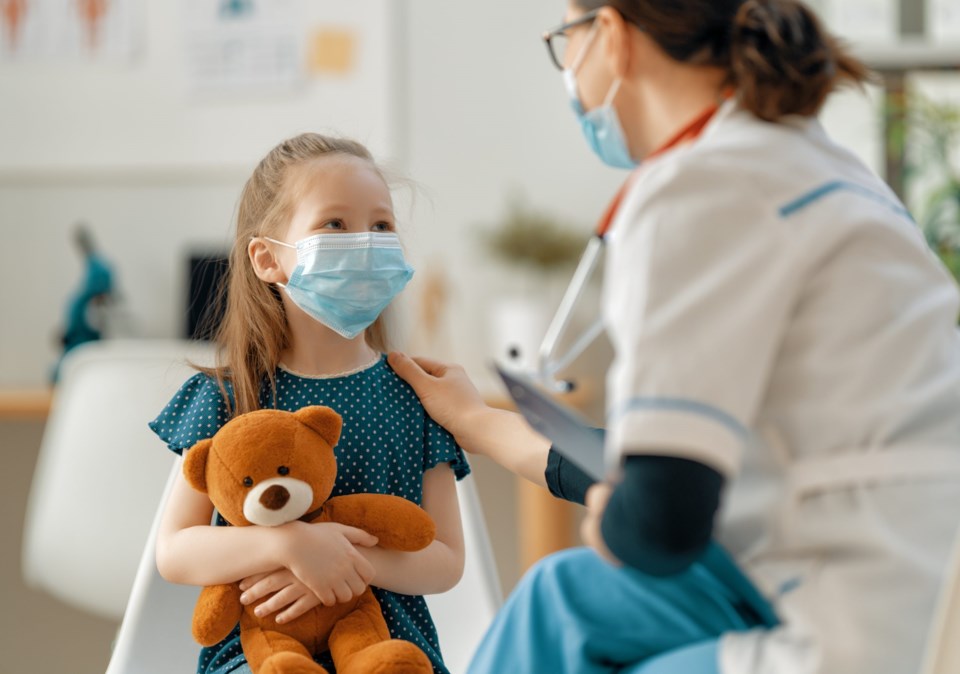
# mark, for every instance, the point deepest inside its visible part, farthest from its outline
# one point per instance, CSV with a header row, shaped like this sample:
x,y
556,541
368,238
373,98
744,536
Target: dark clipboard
x,y
571,436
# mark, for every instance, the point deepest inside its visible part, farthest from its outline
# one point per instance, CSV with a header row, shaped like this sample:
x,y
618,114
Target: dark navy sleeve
x,y
660,517
440,447
196,412
565,480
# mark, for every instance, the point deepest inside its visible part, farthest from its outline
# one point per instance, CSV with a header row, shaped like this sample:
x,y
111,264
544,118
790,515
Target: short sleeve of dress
x,y
440,447
196,412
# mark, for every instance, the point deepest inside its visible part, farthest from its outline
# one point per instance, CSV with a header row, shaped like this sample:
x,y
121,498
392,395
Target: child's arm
x,y
191,552
439,566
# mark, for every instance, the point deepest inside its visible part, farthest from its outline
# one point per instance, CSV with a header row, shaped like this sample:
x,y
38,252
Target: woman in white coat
x,y
785,344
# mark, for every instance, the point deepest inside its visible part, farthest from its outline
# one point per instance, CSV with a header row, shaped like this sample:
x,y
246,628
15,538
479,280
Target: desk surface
x,y
34,403
25,404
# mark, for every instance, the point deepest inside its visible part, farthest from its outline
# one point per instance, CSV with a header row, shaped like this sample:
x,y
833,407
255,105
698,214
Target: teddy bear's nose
x,y
275,497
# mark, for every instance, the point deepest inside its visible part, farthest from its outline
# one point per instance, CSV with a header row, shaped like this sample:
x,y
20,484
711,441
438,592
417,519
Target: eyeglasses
x,y
557,39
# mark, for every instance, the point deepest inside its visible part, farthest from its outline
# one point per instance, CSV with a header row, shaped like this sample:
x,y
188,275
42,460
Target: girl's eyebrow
x,y
328,209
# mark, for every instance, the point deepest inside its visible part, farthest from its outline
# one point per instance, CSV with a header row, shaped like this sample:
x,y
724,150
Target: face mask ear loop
x,y
279,243
582,56
613,92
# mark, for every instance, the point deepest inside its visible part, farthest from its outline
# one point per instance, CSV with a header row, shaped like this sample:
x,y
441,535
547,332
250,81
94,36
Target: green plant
x,y
531,238
934,135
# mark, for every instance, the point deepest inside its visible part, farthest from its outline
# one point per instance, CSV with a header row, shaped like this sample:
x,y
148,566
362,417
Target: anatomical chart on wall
x,y
70,30
243,46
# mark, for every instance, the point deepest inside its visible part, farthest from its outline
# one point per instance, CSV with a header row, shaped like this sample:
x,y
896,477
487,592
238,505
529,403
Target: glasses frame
x,y
562,29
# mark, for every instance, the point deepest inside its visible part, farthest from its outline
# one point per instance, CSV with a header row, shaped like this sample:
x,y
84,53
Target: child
x,y
315,261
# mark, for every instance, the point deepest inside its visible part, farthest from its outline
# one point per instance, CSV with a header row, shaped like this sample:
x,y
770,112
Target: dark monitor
x,y
206,302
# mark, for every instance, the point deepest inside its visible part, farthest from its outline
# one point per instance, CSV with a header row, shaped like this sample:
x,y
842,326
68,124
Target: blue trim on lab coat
x,y
826,189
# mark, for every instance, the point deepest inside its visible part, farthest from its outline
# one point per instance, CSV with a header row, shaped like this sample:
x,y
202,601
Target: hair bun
x,y
783,61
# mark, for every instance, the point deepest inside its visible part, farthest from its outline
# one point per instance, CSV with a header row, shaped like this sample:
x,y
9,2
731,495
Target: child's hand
x,y
324,558
289,595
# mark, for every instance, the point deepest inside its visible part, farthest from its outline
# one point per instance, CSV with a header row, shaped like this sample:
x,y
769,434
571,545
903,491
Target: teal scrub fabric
x,y
574,613
386,445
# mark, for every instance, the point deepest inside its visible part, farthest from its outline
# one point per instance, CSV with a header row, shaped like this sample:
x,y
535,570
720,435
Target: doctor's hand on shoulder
x,y
451,399
445,391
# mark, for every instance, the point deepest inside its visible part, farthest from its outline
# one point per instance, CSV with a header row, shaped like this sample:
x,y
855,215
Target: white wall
x,y
490,117
461,97
154,169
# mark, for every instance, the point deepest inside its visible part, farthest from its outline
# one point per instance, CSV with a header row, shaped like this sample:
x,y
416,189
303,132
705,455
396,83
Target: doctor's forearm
x,y
659,519
565,480
507,439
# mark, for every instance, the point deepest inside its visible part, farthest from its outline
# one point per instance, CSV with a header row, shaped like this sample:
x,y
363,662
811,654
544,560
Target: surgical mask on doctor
x,y
601,126
346,280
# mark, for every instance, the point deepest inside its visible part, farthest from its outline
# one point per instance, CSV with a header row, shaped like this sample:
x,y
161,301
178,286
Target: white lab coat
x,y
777,315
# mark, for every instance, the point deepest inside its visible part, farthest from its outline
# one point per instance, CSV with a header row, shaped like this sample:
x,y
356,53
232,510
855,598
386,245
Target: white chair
x,y
463,614
154,636
101,471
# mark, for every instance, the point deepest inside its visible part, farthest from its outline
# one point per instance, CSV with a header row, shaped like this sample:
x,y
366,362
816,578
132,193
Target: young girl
x,y
315,261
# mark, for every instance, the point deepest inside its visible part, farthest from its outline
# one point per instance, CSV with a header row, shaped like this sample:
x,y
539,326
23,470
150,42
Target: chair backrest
x,y
943,645
463,614
101,471
154,636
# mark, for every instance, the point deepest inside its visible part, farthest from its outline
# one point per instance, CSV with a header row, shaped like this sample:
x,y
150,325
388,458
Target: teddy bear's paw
x,y
290,663
387,657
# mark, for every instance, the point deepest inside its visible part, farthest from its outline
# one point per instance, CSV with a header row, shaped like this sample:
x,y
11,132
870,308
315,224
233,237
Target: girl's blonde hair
x,y
253,332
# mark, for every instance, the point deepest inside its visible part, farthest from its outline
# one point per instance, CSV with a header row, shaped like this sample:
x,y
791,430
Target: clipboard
x,y
572,437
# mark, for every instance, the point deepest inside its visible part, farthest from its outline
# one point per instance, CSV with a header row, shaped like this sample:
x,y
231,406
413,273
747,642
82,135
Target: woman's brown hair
x,y
253,332
778,56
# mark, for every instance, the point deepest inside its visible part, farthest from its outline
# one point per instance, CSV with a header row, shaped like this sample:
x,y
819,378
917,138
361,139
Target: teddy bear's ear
x,y
195,465
323,420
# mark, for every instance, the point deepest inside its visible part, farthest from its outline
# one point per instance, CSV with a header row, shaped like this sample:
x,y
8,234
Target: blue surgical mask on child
x,y
346,280
601,126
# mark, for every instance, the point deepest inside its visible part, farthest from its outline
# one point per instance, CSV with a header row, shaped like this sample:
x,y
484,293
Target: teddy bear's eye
x,y
283,470
248,481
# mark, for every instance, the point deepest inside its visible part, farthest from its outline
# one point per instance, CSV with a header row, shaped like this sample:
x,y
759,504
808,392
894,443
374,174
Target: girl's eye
x,y
382,227
333,224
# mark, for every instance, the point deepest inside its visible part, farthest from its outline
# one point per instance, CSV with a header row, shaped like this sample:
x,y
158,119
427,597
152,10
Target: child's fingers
x,y
343,591
279,600
357,585
267,584
358,536
297,608
364,568
250,581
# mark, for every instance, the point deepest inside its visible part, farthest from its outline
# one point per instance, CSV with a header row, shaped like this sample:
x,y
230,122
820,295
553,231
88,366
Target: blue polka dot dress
x,y
386,445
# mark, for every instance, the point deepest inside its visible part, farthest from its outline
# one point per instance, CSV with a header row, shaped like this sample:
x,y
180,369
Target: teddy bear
x,y
269,467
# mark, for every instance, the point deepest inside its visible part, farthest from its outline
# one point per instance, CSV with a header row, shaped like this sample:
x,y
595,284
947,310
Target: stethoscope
x,y
549,362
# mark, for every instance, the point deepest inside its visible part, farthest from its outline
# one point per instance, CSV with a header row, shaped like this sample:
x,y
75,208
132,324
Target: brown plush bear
x,y
270,467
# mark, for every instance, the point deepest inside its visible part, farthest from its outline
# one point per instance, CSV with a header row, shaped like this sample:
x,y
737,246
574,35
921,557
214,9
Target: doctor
x,y
784,343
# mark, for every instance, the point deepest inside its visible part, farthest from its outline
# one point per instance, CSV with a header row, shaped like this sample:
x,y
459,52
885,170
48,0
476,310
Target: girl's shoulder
x,y
400,390
195,412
